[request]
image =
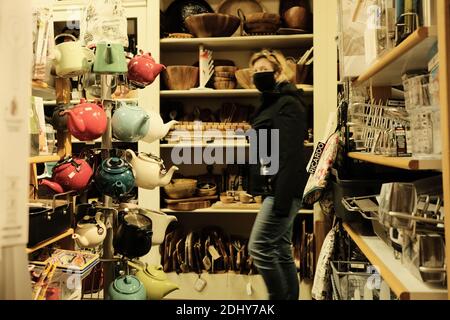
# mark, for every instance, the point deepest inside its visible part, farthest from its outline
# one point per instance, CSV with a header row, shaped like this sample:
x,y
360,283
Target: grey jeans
x,y
270,246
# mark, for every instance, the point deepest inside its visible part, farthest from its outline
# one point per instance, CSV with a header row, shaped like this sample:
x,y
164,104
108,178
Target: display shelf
x,y
63,235
228,211
407,163
397,276
203,145
43,159
411,54
231,93
238,43
45,92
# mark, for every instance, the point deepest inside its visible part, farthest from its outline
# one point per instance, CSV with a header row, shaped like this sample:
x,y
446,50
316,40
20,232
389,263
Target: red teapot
x,y
69,174
143,69
86,121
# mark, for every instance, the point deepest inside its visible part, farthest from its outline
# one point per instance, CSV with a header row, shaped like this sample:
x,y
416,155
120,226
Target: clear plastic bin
x,y
426,132
417,91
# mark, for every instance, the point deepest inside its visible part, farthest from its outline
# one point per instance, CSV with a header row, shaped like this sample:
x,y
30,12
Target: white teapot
x,y
150,170
158,129
90,232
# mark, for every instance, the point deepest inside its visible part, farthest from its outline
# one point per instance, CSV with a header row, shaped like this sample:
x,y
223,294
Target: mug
x,y
245,198
71,58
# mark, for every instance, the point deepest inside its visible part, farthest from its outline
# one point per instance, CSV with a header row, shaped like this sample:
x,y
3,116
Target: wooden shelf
x,y
228,211
46,93
43,159
238,43
63,235
407,163
397,276
212,93
411,54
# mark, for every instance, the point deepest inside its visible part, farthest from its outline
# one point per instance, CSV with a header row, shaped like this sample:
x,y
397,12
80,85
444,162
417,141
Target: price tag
x,y
207,263
88,109
200,285
72,174
212,250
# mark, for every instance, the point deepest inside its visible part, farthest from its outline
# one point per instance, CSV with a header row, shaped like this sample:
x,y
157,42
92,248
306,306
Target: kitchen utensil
x,y
114,177
154,279
69,174
220,68
180,36
71,58
48,218
181,77
158,129
432,258
245,198
90,232
226,79
133,237
150,170
212,24
130,123
110,59
127,288
181,188
86,121
224,85
189,206
206,189
247,6
397,197
244,78
259,23
297,17
225,198
144,69
226,75
179,10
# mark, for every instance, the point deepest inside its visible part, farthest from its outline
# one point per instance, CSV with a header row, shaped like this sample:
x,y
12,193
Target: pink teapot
x,y
143,69
86,121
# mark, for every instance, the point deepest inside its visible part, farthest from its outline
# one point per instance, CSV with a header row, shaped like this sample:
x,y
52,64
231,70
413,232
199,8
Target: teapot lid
x,y
127,285
65,163
150,157
115,165
86,221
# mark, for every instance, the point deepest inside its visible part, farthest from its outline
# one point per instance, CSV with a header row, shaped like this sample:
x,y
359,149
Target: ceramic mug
x,y
71,58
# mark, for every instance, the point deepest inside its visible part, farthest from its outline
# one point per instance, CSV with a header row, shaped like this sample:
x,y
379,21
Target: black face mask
x,y
264,81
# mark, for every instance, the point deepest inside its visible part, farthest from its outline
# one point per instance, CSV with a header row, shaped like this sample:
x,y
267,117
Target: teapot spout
x,y
81,240
169,287
159,68
165,180
168,126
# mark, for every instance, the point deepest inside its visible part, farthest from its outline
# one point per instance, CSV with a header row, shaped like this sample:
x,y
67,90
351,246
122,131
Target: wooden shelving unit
x,y
234,93
411,54
406,163
397,276
238,43
44,159
63,235
228,211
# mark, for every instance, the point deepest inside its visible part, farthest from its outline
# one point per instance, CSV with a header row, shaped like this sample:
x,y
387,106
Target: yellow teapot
x,y
154,279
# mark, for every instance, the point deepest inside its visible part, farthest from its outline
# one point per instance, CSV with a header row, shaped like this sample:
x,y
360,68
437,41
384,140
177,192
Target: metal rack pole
x,y
108,250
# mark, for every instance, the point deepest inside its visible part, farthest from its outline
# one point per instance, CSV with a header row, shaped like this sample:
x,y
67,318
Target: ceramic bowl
x,y
225,198
206,189
180,77
244,78
296,17
181,188
212,25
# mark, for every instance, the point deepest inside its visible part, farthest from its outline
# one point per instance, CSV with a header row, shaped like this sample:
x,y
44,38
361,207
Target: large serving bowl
x,y
181,188
180,77
212,25
244,78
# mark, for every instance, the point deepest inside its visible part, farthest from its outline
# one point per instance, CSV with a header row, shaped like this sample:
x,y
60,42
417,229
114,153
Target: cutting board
x,y
189,206
236,206
174,201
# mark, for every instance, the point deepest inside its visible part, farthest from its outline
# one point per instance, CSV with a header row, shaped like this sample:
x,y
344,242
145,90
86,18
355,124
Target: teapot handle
x,y
90,55
66,35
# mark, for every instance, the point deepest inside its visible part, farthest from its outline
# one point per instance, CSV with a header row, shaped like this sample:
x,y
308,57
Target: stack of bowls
x,y
224,77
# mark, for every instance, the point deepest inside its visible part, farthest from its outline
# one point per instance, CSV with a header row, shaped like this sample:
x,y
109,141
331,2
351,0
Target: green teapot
x,y
110,59
154,279
114,177
127,288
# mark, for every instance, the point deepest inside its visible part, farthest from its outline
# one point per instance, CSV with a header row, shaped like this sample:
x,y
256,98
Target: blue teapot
x,y
127,288
130,123
114,177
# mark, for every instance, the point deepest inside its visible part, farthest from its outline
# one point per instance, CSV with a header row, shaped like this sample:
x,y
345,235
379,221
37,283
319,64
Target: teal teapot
x,y
110,59
127,288
130,123
114,177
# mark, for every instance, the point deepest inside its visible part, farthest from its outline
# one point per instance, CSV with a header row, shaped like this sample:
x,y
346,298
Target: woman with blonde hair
x,y
282,111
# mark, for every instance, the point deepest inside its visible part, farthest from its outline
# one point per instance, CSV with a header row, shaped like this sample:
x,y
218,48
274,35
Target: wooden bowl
x,y
230,75
263,17
218,79
230,69
261,27
212,24
224,85
244,78
181,188
180,77
206,189
224,198
296,17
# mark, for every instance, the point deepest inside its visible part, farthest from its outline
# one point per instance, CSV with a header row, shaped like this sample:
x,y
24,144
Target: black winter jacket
x,y
282,109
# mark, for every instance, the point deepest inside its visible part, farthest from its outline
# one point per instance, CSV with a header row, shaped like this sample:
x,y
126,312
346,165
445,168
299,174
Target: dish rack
x,y
374,127
356,281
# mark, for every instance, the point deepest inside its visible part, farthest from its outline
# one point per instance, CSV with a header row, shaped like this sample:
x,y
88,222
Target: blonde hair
x,y
278,61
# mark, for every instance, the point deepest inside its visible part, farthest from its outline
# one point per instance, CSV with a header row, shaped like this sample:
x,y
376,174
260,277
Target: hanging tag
x,y
72,174
200,284
206,263
249,289
212,250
